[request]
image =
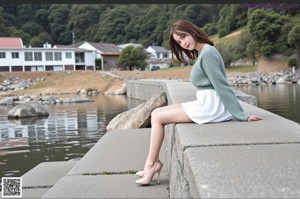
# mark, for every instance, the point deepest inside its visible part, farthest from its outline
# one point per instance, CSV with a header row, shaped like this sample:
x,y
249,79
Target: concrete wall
x,y
229,159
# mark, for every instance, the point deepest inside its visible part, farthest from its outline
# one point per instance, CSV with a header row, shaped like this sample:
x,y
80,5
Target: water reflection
x,y
68,133
281,99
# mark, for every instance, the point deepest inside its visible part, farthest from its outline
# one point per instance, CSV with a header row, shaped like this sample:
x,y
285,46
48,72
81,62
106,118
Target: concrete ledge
x,y
37,181
230,159
108,169
252,171
118,151
106,186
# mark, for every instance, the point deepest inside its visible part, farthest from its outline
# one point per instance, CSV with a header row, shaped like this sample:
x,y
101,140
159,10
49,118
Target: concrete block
x,y
246,171
107,186
46,173
117,151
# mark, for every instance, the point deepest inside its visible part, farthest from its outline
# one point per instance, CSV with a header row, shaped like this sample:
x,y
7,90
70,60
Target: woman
x,y
216,101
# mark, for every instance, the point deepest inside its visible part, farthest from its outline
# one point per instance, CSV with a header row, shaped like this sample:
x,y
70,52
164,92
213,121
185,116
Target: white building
x,y
16,57
158,52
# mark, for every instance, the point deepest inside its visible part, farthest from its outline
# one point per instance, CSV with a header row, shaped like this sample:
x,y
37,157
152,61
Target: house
x,y
161,63
122,46
84,59
158,52
11,42
108,53
16,57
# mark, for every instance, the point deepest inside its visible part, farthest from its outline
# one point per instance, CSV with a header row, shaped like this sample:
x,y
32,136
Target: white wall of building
x,y
40,65
9,61
90,58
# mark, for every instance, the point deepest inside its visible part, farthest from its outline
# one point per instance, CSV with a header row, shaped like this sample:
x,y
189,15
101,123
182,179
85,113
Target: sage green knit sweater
x,y
209,73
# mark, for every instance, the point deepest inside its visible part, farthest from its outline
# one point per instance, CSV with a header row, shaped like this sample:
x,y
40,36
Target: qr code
x,y
11,187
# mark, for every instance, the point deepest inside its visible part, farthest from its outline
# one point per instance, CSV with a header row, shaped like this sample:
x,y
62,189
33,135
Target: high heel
x,y
147,179
141,173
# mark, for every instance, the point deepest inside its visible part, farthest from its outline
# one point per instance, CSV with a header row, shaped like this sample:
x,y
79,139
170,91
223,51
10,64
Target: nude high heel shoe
x,y
141,173
148,178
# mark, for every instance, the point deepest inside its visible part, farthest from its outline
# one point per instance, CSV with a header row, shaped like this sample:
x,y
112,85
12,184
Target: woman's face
x,y
185,40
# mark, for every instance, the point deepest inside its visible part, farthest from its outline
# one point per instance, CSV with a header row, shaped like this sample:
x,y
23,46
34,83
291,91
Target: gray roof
x,y
106,47
130,44
70,46
159,49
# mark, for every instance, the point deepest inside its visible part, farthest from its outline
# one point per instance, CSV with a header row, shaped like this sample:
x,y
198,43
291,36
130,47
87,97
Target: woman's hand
x,y
253,118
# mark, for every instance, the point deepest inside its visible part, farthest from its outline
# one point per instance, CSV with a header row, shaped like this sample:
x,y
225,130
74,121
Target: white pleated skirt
x,y
208,107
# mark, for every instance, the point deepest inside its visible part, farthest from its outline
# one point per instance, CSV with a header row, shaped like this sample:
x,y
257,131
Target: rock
x,y
121,91
118,91
7,101
83,91
138,117
250,99
28,109
281,80
80,99
27,120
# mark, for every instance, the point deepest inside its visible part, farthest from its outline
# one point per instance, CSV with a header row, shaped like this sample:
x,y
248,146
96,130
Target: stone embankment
x,y
50,99
18,84
253,79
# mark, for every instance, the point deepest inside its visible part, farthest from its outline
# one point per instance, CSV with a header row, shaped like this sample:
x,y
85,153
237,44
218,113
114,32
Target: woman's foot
x,y
141,173
148,175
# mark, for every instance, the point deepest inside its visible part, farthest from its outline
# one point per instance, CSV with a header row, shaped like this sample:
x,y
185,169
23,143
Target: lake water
x,y
72,129
68,133
281,99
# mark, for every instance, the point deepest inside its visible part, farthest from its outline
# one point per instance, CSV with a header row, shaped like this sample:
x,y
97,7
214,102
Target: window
x,y
28,56
49,56
2,55
15,55
68,55
37,56
57,56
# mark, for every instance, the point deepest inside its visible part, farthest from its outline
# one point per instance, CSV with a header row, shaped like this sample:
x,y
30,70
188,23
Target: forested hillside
x,y
265,31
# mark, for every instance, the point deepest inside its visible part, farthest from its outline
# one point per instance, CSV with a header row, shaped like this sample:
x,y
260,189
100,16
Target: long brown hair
x,y
188,27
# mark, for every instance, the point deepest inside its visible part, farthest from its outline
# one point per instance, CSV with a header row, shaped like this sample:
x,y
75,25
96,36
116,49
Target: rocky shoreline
x,y
234,79
255,79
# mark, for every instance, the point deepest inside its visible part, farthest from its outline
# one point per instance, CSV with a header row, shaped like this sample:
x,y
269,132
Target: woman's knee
x,y
155,115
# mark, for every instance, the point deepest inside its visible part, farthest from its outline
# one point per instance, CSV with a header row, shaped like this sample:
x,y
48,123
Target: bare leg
x,y
159,118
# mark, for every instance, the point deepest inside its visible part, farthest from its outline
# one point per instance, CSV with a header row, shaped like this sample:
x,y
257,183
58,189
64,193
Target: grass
x,y
176,68
239,68
62,82
242,68
42,85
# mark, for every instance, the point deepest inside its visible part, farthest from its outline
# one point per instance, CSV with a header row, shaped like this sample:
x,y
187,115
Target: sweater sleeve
x,y
211,64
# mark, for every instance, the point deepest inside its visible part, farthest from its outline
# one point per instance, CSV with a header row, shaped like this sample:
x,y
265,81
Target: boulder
x,y
138,117
117,91
28,109
80,99
250,99
281,80
121,90
7,101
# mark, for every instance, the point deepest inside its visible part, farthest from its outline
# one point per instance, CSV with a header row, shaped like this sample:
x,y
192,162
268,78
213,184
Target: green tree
x,y
83,18
294,39
251,50
32,28
226,52
58,19
112,24
14,32
265,27
36,42
41,18
25,12
133,57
